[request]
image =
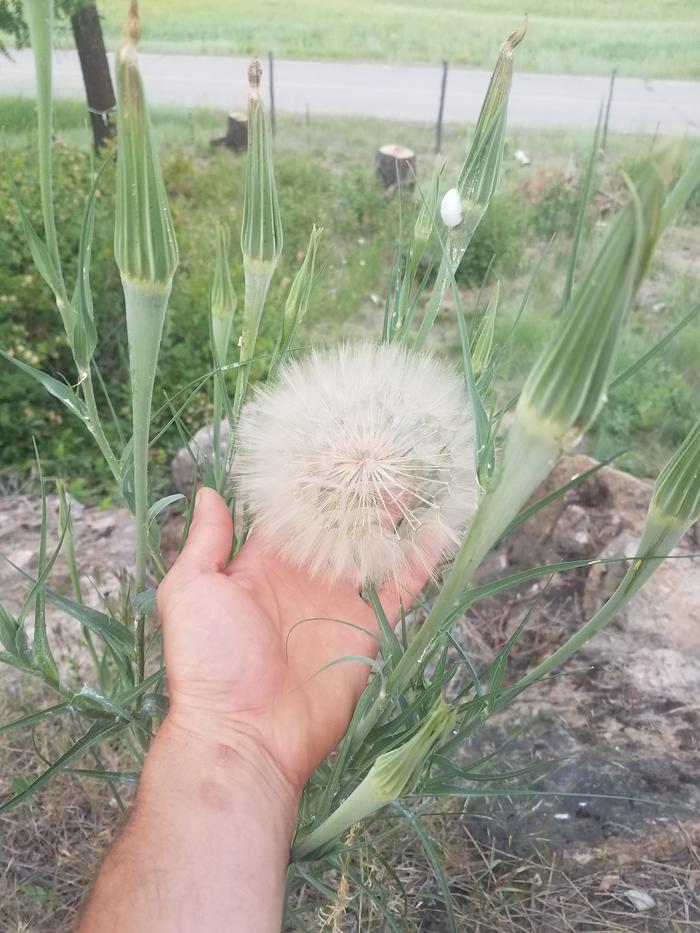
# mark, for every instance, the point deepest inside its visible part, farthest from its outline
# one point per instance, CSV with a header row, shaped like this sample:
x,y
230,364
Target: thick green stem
x,y
39,14
526,463
145,313
527,460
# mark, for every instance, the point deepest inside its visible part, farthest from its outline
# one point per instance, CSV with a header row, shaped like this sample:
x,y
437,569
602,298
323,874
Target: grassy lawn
x,y
646,38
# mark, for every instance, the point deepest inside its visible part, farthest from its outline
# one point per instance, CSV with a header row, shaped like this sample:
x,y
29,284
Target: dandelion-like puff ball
x,y
358,463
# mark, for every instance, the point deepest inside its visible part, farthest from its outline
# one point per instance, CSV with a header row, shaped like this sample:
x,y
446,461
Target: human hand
x,y
250,646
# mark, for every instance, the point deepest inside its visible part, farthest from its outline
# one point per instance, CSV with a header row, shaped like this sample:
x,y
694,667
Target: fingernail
x,y
198,497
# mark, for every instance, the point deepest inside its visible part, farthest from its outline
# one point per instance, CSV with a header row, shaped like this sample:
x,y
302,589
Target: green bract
x,y
393,775
261,233
144,239
567,385
677,491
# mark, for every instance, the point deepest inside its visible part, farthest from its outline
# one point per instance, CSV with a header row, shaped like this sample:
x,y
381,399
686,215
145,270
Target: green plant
x,y
403,732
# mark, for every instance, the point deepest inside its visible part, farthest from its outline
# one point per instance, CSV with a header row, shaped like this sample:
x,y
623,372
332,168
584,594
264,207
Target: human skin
x,y
254,707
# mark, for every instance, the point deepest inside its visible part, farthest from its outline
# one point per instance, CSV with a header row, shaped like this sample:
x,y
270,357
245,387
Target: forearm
x,y
205,849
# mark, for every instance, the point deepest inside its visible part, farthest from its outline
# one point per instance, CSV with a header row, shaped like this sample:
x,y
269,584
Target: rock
x,y
104,543
625,719
188,460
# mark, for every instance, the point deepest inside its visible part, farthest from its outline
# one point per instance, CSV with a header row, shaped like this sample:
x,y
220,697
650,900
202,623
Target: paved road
x,y
391,91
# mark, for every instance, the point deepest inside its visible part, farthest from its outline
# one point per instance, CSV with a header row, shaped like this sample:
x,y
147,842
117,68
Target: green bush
x,y
204,187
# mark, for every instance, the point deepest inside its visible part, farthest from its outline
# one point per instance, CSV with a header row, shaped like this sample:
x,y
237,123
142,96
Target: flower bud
x,y
144,239
261,233
222,298
566,387
676,499
392,775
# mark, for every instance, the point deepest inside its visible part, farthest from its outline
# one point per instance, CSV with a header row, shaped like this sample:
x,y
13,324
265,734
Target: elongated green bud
x,y
676,499
393,775
298,299
222,298
463,207
567,385
145,247
482,167
261,233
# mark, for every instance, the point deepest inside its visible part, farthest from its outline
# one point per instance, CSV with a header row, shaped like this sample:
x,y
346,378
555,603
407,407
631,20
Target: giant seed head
x,y
359,462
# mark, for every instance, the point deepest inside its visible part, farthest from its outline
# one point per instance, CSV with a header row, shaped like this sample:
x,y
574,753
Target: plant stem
x,y
96,429
527,460
145,313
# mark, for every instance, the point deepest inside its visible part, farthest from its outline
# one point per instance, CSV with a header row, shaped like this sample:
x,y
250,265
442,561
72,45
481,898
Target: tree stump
x,y
396,165
236,134
87,31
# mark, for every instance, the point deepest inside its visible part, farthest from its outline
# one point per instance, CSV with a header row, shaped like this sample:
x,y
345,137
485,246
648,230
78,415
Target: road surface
x,y
390,91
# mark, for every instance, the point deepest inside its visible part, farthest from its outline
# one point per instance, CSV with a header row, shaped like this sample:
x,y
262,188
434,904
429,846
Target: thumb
x,y
210,537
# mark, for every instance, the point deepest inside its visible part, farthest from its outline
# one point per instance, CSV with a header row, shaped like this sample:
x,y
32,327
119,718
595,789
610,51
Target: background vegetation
x,y
334,185
647,38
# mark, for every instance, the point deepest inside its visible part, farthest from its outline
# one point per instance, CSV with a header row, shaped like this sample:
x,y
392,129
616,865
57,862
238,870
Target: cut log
x,y
236,134
396,165
87,31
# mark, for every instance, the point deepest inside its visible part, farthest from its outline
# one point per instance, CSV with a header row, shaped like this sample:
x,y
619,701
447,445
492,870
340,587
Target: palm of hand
x,y
260,646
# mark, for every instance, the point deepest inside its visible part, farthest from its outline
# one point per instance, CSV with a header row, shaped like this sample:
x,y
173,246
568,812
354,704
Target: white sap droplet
x,y
451,208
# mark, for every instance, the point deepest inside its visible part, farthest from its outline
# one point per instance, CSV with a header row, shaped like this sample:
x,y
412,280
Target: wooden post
x,y
273,119
236,137
441,108
396,165
607,110
87,31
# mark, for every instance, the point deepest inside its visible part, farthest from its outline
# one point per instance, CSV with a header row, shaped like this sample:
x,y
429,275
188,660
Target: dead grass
x,y
49,849
494,892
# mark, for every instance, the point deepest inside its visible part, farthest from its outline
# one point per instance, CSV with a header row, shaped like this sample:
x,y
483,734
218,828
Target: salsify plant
x,y
356,462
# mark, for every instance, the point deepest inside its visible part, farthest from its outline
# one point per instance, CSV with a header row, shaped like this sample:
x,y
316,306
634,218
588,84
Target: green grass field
x,y
646,38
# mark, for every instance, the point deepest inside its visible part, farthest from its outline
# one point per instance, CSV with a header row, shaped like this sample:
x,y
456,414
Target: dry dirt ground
x,y
621,853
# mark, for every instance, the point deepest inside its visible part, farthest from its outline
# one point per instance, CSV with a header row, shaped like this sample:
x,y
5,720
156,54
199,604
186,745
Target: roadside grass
x,y
644,38
326,174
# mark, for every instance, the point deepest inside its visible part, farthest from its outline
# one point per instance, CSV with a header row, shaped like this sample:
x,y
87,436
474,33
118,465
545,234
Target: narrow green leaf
x,y
389,644
434,860
114,633
33,718
8,629
42,655
58,389
540,504
129,778
98,732
584,203
84,339
655,350
483,344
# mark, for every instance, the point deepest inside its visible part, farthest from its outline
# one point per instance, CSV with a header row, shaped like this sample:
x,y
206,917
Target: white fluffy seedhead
x,y
359,462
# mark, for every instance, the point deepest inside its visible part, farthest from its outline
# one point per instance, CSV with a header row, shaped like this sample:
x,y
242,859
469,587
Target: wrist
x,y
214,771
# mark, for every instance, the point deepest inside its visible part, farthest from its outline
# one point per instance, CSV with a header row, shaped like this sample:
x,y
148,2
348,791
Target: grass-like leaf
x,y
98,732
